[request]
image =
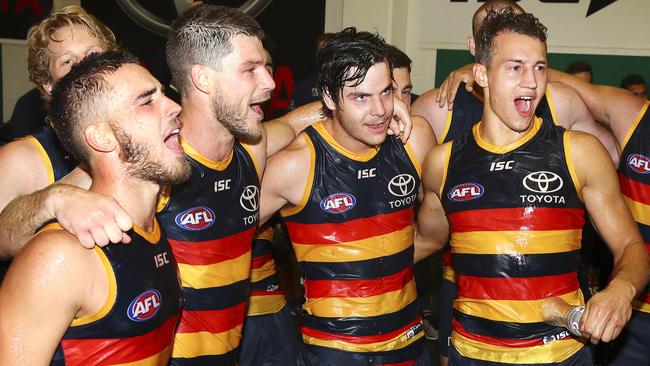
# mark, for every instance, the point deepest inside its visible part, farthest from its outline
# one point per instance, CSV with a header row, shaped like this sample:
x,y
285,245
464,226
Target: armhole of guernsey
x,y
310,181
249,150
551,105
153,237
629,133
110,298
445,130
566,137
163,198
44,157
414,161
445,168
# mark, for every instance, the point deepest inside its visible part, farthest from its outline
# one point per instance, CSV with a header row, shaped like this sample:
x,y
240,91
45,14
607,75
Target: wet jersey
x,y
515,216
468,111
136,324
58,162
210,221
634,176
353,238
266,297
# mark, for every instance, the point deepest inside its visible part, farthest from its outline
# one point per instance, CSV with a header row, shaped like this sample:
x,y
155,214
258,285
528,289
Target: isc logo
x,y
639,163
196,218
145,306
338,203
466,192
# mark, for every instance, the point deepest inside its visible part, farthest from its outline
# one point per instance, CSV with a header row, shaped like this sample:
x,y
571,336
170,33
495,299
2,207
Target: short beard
x,y
141,165
232,119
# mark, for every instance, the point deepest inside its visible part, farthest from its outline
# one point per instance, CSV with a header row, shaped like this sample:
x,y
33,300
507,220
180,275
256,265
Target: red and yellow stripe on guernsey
x,y
448,272
150,349
514,231
395,340
637,198
355,239
262,267
208,332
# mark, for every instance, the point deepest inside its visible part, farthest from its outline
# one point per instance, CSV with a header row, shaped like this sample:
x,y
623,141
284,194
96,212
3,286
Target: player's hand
x,y
607,312
400,125
447,91
92,217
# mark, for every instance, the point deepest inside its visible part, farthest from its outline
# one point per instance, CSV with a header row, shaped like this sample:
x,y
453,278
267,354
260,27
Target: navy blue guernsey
x,y
57,160
210,221
353,238
137,323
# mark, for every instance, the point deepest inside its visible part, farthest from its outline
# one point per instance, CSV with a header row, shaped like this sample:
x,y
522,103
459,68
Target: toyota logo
x,y
249,198
543,182
160,26
401,185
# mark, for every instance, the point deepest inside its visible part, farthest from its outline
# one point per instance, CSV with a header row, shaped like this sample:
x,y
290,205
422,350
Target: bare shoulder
x,y
294,156
24,170
427,107
589,157
422,137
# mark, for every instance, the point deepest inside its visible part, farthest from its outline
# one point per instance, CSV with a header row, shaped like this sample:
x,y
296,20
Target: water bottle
x,y
558,312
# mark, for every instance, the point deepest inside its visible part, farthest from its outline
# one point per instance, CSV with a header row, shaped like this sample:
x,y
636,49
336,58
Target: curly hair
x,y
505,20
40,36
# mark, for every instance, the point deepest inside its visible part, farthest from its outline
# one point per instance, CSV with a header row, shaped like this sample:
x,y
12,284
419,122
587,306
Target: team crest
x,y
466,192
338,203
639,163
145,306
195,219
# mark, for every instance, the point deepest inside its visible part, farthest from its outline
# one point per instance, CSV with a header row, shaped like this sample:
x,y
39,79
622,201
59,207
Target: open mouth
x,y
172,140
524,105
257,108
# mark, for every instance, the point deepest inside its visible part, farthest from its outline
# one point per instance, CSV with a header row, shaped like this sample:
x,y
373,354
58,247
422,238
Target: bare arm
x,y
609,310
44,290
93,218
284,181
613,106
282,130
573,114
427,107
447,91
432,226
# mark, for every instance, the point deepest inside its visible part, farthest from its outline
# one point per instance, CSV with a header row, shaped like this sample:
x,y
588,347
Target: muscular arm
x,y
609,310
282,130
427,107
573,115
92,217
284,181
614,106
46,287
432,229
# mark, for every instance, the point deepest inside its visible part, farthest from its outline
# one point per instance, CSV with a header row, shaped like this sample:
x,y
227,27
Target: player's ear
x,y
100,137
471,45
480,75
329,102
200,76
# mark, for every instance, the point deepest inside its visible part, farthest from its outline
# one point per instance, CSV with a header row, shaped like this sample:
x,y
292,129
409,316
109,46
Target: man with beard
x,y
54,45
347,194
65,304
513,192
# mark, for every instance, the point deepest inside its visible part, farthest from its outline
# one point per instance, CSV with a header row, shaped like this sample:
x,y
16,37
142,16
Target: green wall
x,y
607,69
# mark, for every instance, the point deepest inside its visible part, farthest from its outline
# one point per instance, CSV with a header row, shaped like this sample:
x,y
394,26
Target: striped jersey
x,y
468,111
634,176
210,221
266,297
353,238
515,214
136,324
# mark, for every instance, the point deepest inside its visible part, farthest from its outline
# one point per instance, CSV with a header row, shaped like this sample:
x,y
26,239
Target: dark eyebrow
x,y
146,94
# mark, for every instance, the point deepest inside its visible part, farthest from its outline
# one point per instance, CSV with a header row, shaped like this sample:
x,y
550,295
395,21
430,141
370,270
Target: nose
x,y
266,81
172,109
378,108
529,79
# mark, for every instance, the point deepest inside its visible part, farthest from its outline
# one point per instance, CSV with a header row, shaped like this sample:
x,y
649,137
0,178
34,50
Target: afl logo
x,y
338,203
639,163
195,219
466,192
401,185
145,306
543,182
249,198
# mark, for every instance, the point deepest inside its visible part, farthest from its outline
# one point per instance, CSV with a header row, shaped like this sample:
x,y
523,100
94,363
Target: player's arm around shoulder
x,y
422,138
285,177
432,229
427,107
52,281
24,170
282,130
609,310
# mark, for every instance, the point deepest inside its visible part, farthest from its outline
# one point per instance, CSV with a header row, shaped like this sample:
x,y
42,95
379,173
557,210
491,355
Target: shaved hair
x,y
494,5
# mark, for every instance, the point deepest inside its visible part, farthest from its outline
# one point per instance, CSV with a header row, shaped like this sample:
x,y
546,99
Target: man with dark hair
x,y
581,69
636,84
347,194
65,304
514,191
